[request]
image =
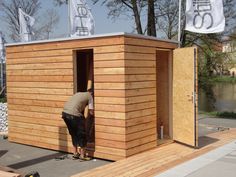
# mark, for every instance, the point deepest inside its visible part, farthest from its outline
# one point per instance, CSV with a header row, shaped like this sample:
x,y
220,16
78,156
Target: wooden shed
x,y
140,84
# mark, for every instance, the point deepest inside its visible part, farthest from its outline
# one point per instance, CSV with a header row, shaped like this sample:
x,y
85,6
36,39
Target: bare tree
x,y
151,23
167,18
11,16
47,25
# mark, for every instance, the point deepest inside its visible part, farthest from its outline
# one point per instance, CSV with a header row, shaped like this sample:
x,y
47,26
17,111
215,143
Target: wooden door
x,y
185,123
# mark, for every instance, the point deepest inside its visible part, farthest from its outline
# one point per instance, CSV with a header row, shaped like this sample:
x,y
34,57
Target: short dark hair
x,y
90,90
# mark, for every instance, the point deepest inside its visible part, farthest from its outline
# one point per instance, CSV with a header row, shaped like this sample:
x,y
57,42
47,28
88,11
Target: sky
x,y
103,24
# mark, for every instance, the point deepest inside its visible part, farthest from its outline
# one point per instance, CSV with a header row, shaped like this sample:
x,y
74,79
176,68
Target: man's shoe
x,y
85,158
76,156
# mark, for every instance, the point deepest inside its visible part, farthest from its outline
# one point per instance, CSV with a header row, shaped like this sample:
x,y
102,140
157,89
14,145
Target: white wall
x,y
3,117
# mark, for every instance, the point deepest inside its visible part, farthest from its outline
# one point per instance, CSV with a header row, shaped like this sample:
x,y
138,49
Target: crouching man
x,y
75,121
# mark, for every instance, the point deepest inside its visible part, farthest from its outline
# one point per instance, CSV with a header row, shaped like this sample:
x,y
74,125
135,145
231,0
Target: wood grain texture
x,y
184,124
40,79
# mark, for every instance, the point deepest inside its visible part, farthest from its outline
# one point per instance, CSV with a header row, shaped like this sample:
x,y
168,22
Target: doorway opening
x,y
83,80
164,94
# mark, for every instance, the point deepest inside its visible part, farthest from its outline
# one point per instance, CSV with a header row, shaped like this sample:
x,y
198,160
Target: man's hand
x,y
91,112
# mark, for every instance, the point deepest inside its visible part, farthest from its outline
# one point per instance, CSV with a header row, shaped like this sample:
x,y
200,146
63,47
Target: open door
x,y
185,122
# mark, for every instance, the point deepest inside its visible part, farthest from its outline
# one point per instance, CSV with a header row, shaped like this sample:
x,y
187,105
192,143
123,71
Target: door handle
x,y
191,97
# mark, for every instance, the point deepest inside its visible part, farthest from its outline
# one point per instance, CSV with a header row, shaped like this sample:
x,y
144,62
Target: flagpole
x,y
179,28
69,27
1,57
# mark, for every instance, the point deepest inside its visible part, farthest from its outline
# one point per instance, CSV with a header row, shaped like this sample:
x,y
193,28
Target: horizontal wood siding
x,y
109,102
39,82
140,79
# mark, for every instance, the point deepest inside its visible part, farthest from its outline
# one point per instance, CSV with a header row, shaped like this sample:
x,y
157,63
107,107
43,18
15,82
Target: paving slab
x,y
48,163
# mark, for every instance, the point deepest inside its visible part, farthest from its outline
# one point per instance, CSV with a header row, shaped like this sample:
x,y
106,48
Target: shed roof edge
x,y
92,36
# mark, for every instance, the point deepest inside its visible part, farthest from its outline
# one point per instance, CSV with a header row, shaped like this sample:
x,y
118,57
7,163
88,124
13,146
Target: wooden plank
x,y
46,103
37,60
112,71
110,93
39,115
108,56
38,121
109,86
48,72
59,91
141,148
141,113
111,122
109,78
110,115
140,99
139,56
140,134
37,127
109,129
109,100
109,136
140,120
109,49
110,143
139,49
64,85
65,65
38,97
64,52
140,70
107,156
141,141
143,84
111,151
9,174
155,161
35,109
78,43
143,77
40,78
109,64
139,63
142,105
59,147
140,127
35,139
150,43
140,92
109,107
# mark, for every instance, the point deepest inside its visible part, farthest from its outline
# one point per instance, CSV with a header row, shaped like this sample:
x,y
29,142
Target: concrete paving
x,y
47,162
219,162
57,164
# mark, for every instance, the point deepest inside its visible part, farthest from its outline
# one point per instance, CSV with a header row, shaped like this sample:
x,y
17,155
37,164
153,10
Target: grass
x,y
223,79
225,114
3,100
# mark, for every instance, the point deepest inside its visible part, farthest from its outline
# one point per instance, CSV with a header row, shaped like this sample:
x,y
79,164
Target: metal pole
x,y
1,57
179,30
69,22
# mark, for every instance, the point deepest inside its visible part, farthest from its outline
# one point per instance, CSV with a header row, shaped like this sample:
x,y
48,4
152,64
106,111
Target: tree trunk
x,y
151,26
137,17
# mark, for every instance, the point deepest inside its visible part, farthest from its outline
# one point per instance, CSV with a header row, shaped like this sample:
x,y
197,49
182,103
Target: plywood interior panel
x,y
163,89
184,110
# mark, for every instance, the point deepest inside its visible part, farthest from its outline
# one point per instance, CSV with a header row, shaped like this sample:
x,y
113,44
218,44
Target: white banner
x,y
26,23
2,47
81,19
205,16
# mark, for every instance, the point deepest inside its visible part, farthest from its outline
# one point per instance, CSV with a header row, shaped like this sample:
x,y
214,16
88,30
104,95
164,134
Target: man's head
x,y
90,90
